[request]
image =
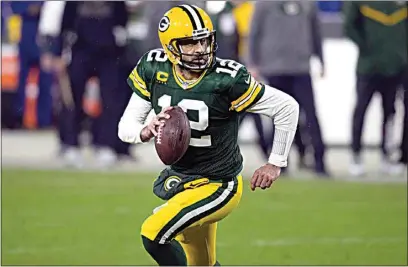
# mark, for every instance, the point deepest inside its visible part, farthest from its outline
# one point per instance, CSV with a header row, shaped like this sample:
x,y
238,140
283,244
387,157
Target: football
x,y
173,138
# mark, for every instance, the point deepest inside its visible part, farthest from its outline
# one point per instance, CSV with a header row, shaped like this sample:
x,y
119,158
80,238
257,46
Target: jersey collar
x,y
183,83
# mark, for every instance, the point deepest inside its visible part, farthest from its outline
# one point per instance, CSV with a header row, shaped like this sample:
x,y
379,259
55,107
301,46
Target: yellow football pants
x,y
191,218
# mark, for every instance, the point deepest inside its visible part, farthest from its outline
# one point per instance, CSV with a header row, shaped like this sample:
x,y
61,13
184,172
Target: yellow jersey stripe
x,y
138,86
251,99
244,97
400,15
140,80
133,77
383,18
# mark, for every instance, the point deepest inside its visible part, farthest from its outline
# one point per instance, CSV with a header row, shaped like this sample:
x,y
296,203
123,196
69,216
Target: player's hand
x,y
265,176
150,130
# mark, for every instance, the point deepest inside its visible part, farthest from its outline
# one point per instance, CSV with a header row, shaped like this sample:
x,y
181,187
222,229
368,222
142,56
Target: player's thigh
x,y
199,244
192,207
171,216
221,206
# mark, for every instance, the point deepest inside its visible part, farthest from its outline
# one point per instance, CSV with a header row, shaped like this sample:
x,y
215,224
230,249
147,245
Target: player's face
x,y
195,52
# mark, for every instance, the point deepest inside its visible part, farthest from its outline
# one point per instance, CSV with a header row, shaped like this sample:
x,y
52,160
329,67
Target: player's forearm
x,y
285,112
131,125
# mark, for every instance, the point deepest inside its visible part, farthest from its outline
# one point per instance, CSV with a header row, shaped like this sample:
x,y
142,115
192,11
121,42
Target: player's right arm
x,y
132,128
134,117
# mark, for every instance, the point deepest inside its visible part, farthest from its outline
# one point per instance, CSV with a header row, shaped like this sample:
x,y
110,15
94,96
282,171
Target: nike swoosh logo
x,y
249,78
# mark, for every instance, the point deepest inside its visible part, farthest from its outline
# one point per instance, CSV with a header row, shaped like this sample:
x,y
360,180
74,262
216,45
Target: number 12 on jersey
x,y
203,117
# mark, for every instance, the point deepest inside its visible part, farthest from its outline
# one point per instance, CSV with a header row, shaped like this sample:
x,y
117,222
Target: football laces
x,y
159,134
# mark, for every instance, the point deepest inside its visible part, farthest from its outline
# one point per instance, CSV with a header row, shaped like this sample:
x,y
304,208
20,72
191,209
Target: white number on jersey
x,y
203,117
157,55
232,67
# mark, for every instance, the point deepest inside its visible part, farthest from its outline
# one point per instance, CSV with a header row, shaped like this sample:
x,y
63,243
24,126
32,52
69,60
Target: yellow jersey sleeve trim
x,y
140,80
251,99
139,84
248,97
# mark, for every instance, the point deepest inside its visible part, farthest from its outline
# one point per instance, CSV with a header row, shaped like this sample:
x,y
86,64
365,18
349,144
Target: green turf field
x,y
78,218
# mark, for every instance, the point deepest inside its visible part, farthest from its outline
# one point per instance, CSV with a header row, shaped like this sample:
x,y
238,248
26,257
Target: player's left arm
x,y
285,113
283,109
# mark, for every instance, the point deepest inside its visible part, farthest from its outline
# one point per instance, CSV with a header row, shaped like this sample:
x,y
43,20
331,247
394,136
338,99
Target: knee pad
x,y
149,245
171,254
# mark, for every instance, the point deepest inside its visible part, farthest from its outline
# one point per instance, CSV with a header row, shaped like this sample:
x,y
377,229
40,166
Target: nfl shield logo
x,y
185,85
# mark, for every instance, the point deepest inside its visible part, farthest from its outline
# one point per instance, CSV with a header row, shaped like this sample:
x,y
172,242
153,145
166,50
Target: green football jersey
x,y
214,105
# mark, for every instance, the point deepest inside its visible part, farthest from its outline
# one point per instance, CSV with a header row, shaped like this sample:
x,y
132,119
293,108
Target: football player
x,y
214,93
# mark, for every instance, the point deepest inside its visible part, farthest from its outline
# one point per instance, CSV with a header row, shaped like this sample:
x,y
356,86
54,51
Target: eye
x,y
204,41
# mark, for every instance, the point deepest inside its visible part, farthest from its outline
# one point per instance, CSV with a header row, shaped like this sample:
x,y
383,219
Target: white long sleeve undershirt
x,y
275,104
133,119
284,110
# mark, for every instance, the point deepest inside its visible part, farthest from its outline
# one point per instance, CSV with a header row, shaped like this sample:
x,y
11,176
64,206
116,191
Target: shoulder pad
x,y
151,60
229,71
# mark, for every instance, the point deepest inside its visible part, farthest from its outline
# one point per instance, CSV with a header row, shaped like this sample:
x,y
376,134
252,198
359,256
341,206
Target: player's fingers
x,y
259,180
158,122
269,183
152,129
167,109
253,181
264,182
163,115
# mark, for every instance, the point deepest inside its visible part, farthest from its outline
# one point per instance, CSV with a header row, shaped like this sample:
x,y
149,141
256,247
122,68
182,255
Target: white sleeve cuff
x,y
281,147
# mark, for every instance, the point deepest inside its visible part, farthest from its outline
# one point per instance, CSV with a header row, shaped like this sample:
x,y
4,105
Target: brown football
x,y
173,138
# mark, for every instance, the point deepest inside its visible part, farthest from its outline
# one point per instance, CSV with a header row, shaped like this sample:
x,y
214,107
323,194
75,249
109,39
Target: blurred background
x,y
64,170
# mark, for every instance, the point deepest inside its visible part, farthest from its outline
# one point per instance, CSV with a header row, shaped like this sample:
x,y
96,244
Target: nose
x,y
199,47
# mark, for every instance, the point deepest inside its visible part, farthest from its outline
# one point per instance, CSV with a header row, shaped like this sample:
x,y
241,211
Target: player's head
x,y
188,37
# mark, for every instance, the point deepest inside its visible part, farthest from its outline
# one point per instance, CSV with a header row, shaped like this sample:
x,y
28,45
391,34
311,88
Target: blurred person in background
x,y
96,37
242,13
49,45
7,98
283,37
29,56
378,28
227,34
128,60
404,142
4,6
